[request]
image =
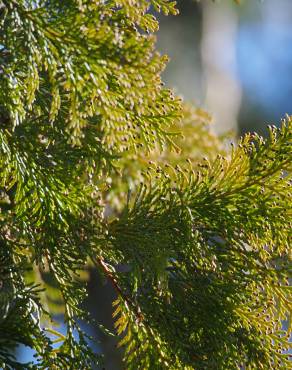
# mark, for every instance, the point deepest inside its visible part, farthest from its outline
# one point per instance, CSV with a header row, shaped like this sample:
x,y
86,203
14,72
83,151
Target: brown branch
x,y
119,290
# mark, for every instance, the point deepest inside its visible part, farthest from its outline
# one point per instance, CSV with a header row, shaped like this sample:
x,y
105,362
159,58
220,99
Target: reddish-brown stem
x,y
117,287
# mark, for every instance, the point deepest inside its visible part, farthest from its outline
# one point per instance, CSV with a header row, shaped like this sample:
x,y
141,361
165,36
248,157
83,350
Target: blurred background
x,y
235,62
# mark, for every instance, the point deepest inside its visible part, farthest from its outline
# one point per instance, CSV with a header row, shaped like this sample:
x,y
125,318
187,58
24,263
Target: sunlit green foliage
x,y
209,252
100,164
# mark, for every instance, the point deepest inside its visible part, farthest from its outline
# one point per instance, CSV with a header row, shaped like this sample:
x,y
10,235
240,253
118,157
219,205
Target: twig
x,y
117,287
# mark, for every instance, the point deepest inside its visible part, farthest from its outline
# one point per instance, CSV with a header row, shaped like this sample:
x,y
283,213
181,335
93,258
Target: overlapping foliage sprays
x,y
86,125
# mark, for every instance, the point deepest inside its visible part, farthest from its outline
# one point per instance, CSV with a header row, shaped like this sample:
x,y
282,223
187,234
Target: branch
x,y
137,311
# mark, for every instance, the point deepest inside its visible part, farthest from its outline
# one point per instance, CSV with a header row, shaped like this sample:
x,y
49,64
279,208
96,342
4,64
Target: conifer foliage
x,y
205,242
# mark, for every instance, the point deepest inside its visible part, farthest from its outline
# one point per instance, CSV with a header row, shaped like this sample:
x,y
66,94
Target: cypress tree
x,y
102,166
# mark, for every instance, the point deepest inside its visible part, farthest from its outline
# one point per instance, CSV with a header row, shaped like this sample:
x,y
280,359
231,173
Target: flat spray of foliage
x,y
205,241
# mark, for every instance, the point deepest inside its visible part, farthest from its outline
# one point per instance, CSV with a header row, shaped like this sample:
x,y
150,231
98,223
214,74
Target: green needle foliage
x,y
205,242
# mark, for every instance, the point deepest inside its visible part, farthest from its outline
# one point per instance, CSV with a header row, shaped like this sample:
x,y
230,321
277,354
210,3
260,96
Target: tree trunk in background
x,y
218,50
101,294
